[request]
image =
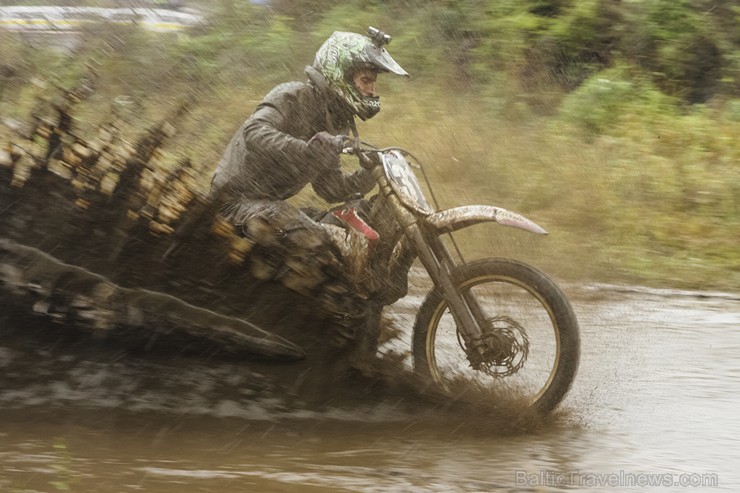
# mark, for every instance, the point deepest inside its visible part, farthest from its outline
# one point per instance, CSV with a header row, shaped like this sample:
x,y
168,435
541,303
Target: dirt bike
x,y
494,322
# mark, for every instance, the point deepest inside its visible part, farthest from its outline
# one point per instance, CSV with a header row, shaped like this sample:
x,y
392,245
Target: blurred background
x,y
613,124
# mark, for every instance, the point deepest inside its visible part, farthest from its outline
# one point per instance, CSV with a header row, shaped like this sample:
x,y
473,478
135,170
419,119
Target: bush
x,y
610,96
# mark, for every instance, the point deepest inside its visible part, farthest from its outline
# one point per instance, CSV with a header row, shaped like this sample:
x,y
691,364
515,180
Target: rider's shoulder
x,y
289,92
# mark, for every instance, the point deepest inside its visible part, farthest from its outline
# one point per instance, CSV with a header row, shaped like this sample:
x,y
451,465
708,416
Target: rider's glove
x,y
328,142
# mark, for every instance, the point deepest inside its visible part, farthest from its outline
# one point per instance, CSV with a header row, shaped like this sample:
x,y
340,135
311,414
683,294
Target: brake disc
x,y
501,350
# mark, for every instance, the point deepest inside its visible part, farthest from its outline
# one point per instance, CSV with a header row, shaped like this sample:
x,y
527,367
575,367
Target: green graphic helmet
x,y
343,54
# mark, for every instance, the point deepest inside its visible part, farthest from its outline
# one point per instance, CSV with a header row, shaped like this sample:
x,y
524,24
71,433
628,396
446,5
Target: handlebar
x,y
369,155
366,153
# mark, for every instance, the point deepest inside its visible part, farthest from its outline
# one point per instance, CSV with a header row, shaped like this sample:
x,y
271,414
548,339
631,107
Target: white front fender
x,y
461,217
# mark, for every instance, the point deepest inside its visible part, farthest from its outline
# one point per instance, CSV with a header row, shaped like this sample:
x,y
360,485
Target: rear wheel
x,y
529,348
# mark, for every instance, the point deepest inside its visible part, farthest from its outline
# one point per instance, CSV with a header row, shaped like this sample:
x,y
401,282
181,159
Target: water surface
x,y
655,403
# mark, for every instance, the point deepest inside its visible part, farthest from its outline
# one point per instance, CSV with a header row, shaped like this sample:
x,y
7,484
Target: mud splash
x,y
66,370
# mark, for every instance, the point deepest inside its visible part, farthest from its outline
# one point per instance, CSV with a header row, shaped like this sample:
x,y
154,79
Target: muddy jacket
x,y
269,156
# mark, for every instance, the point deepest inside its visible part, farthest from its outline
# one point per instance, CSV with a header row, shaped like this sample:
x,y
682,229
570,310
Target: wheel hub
x,y
501,350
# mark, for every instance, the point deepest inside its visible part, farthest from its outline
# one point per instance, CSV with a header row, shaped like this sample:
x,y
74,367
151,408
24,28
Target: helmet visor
x,y
382,60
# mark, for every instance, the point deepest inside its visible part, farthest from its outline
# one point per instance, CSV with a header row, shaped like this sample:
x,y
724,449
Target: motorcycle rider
x,y
295,137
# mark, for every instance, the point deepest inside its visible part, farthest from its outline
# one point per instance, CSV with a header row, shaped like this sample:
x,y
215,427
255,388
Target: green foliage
x,y
506,30
598,105
732,112
677,43
243,41
614,124
584,38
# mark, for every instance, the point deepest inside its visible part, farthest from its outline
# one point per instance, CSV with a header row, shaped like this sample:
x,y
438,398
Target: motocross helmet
x,y
343,54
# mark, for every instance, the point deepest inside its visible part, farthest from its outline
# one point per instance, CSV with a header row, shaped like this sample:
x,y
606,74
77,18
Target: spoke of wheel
x,y
502,299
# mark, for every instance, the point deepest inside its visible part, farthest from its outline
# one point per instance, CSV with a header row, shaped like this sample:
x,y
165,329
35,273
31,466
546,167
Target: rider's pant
x,y
302,254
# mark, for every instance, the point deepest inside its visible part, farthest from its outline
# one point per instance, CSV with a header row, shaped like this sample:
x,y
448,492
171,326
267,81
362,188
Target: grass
x,y
637,190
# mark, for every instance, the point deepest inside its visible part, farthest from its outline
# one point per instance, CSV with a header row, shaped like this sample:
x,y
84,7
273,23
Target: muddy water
x,y
654,407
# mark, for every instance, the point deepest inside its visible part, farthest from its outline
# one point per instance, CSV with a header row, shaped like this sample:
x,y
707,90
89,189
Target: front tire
x,y
521,307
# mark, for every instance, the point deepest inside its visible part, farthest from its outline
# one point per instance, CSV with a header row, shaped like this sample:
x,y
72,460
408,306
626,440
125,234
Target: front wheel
x,y
529,347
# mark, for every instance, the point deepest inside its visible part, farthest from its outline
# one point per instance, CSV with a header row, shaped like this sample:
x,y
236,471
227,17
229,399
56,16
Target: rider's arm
x,y
264,138
299,160
333,185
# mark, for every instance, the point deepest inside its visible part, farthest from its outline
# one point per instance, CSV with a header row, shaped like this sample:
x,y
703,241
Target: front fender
x,y
456,218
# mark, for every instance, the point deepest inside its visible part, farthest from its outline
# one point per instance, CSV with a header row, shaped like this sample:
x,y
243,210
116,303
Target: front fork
x,y
463,304
436,258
